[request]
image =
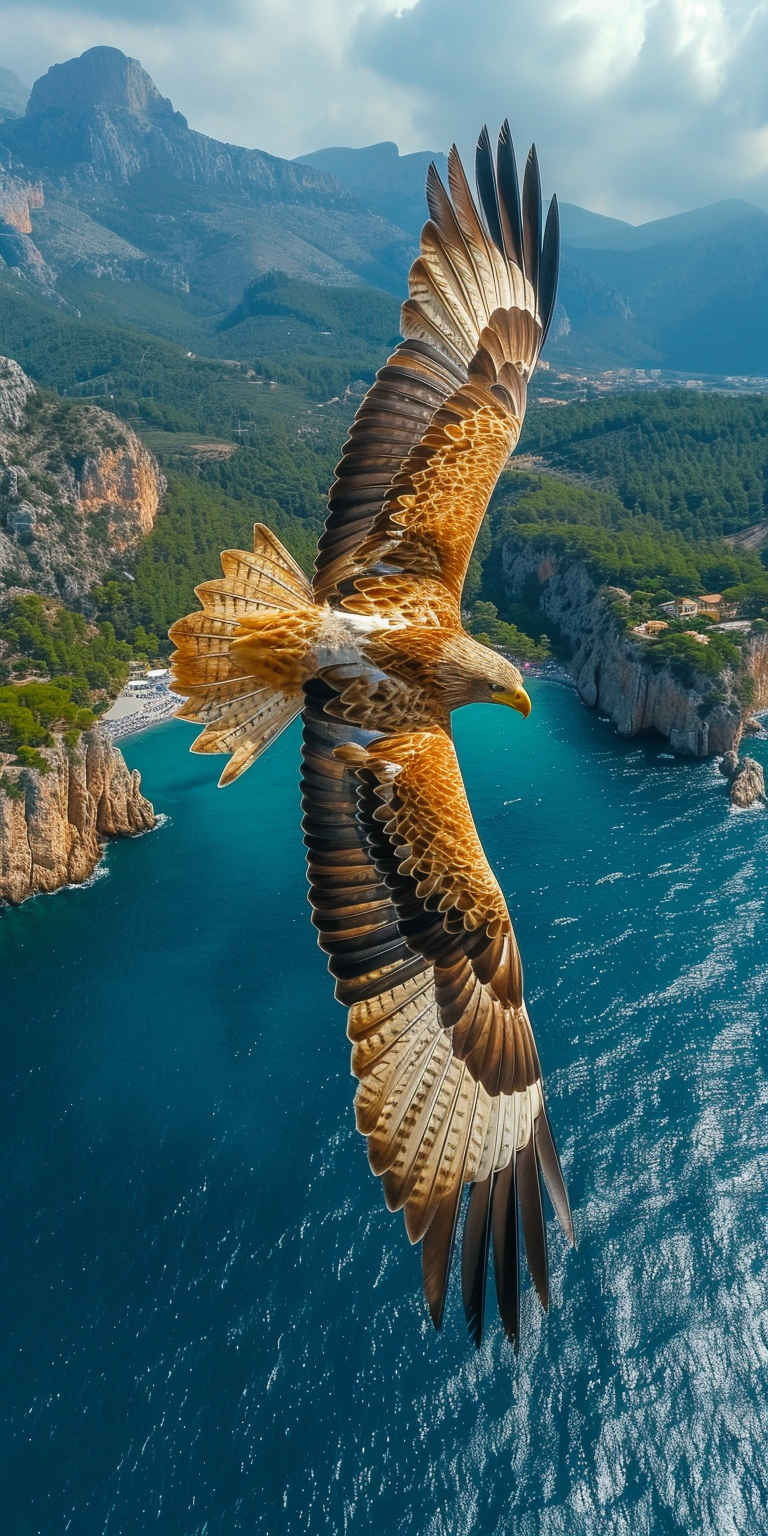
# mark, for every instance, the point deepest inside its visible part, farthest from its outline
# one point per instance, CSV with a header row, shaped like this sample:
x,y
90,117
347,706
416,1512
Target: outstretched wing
x,y
435,431
424,956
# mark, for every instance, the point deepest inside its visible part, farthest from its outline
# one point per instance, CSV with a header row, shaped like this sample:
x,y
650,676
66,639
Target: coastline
x,y
698,715
127,716
54,821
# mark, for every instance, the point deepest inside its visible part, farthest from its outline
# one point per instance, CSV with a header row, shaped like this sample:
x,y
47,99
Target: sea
x,y
211,1323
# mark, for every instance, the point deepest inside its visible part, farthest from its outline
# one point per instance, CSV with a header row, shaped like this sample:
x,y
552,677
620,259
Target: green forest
x,y
696,462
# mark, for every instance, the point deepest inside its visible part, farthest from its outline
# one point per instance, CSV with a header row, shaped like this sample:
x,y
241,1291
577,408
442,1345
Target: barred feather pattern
x,y
416,929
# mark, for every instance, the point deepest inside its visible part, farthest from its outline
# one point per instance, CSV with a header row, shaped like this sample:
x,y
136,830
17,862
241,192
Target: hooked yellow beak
x,y
516,698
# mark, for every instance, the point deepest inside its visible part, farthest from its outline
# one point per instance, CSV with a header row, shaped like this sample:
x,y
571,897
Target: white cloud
x,y
638,107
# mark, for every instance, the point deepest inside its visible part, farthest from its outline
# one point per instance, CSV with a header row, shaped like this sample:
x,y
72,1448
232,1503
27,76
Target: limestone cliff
x,y
756,652
53,825
101,118
77,489
18,196
616,674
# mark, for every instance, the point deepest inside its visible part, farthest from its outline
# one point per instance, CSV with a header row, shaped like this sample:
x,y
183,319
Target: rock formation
x,y
101,118
748,785
53,825
77,488
729,764
616,674
18,250
14,95
747,779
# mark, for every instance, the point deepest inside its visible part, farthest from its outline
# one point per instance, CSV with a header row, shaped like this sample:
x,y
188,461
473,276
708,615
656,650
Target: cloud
x,y
638,107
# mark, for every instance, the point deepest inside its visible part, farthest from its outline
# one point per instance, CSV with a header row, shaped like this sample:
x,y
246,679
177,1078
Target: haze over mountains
x,y
103,182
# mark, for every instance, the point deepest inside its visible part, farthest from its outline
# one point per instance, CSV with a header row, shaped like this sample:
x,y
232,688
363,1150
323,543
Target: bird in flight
x,y
374,657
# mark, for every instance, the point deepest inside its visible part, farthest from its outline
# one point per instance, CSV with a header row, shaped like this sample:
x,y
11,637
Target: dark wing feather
x,y
486,190
509,197
474,1256
532,1213
553,1174
505,1249
437,1250
414,383
532,219
550,261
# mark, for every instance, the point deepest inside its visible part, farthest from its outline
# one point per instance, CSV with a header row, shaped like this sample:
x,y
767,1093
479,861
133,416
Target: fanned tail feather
x,y
241,714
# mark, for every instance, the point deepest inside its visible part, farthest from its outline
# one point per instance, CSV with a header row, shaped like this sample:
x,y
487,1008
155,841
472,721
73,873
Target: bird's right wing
x,y
424,955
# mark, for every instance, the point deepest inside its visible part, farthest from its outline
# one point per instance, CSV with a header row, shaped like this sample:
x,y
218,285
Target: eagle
x,y
373,655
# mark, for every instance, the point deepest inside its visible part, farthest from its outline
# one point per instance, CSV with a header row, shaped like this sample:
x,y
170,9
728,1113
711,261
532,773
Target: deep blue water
x,y
210,1322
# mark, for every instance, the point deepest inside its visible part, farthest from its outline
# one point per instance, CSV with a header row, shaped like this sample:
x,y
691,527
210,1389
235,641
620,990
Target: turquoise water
x,y
211,1323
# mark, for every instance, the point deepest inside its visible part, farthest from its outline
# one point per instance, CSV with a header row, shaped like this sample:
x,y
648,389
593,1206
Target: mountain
x,y
78,490
656,295
593,231
14,95
132,193
380,176
688,292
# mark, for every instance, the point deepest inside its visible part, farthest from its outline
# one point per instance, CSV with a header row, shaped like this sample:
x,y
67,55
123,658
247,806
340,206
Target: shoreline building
x,y
710,606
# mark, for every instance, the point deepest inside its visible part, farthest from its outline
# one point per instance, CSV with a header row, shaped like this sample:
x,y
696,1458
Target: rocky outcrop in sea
x,y
615,674
747,779
53,825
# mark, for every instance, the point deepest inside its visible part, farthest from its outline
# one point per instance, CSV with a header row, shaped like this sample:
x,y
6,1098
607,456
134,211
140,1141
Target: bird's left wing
x,y
425,958
401,529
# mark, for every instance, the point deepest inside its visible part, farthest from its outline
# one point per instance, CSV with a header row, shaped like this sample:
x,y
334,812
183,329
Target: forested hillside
x,y
318,340
696,462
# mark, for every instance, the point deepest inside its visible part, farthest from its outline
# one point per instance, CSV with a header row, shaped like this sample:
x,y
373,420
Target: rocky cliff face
x,y
614,673
77,488
52,833
757,663
14,95
18,197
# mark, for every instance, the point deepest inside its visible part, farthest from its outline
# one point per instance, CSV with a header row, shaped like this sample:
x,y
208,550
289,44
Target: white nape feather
x,y
340,637
370,623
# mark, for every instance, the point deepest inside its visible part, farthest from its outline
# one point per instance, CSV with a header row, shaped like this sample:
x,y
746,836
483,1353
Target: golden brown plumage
x,y
373,654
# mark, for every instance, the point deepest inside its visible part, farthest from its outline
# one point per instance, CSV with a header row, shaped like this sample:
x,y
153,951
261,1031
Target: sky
x,y
639,108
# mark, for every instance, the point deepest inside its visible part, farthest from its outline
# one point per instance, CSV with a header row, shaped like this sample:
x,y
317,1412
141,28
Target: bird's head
x,y
474,674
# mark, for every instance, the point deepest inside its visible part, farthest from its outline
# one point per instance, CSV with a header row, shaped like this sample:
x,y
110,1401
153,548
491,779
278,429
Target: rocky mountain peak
x,y
100,77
